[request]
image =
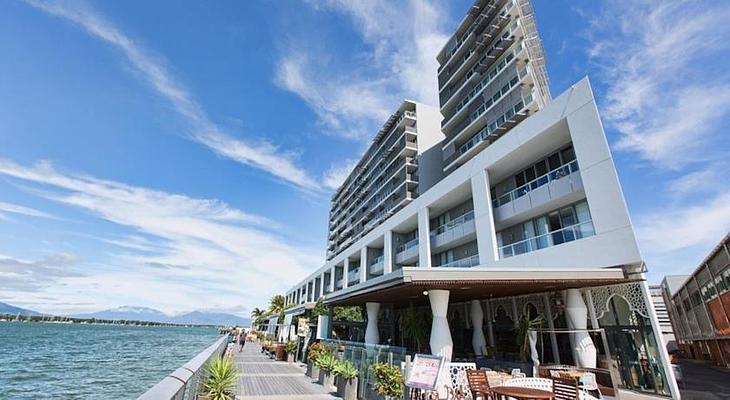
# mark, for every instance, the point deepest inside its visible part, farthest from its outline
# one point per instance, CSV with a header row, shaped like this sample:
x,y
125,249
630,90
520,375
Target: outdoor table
x,y
521,393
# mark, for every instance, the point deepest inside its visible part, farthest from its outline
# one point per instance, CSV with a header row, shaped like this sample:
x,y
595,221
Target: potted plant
x,y
314,351
220,379
525,326
326,363
291,350
346,377
388,381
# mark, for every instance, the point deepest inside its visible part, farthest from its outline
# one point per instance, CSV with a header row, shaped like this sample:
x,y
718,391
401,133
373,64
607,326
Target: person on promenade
x,y
241,340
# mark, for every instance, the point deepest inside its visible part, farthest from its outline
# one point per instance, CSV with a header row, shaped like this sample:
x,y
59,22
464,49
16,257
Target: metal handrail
x,y
183,383
532,244
468,216
542,180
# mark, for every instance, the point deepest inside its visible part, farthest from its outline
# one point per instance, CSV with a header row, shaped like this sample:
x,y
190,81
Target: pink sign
x,y
424,371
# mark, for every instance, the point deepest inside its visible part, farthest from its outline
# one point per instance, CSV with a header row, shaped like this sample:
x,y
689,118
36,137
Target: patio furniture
x,y
565,389
534,383
479,384
521,393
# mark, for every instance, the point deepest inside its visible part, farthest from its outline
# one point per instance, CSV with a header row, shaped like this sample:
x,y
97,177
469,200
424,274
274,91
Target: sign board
x,y
425,371
302,327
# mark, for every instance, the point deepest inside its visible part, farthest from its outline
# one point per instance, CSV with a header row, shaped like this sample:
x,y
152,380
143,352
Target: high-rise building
x,y
517,211
491,77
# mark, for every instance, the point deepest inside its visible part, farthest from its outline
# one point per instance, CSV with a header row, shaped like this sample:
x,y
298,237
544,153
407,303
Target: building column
x,y
321,286
659,339
477,321
551,327
388,252
441,343
424,238
363,264
490,327
576,316
333,273
346,273
484,218
372,336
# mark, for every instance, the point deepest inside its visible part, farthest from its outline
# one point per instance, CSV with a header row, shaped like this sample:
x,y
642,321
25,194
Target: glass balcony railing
x,y
407,245
542,180
376,260
553,238
467,262
453,223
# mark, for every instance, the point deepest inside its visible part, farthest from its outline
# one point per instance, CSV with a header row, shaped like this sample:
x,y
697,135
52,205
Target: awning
x,y
407,285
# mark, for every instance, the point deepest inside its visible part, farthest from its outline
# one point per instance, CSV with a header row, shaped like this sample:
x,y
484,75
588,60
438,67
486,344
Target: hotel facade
x,y
504,205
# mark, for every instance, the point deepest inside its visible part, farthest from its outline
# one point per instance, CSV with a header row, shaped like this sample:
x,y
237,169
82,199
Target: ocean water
x,y
73,361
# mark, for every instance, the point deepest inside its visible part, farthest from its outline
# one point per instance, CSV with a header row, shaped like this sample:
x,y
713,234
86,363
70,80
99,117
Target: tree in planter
x,y
220,378
388,380
414,327
524,325
290,348
346,376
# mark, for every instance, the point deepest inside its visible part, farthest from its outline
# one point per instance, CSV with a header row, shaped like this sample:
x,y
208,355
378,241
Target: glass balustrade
x,y
467,262
542,180
453,223
407,245
553,238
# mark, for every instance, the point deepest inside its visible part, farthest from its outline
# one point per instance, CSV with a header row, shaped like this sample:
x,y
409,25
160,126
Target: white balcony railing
x,y
542,180
467,262
456,222
553,238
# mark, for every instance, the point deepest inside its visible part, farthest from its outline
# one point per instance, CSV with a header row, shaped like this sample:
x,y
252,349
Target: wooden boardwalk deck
x,y
265,379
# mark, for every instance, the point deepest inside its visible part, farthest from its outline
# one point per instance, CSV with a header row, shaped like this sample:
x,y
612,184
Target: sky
x,y
181,155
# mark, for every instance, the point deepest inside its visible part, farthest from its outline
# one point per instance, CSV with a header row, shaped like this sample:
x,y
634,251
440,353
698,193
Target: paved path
x,y
703,381
265,379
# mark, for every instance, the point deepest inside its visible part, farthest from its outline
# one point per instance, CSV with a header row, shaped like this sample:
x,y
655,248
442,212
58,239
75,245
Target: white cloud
x,y
336,175
16,209
260,155
30,276
212,253
668,89
354,101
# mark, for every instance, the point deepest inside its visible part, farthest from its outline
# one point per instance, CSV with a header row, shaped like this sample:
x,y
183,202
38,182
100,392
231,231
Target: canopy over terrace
x,y
406,286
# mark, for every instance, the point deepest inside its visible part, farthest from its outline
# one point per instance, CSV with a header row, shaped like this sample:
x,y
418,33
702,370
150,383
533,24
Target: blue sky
x,y
180,155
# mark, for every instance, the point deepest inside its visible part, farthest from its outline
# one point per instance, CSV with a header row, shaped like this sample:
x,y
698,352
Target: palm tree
x,y
257,313
276,304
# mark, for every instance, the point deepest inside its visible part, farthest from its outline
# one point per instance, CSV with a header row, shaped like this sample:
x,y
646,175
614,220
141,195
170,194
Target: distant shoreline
x,y
54,319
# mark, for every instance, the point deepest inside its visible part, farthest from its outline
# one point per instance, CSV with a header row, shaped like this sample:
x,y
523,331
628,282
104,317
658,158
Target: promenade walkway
x,y
265,379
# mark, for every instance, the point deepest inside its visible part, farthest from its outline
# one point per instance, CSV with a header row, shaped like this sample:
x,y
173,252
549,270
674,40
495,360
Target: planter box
x,y
280,354
347,389
326,379
312,370
290,358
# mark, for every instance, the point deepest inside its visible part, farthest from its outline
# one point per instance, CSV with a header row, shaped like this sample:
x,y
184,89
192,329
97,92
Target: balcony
x,y
353,276
553,185
467,262
339,284
453,233
407,252
553,238
376,266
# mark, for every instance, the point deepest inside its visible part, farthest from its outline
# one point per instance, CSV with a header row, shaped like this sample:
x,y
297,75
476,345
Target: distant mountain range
x,y
6,308
133,313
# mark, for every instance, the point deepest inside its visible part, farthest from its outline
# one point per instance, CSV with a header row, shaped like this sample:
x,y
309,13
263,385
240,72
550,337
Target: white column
x,y
424,238
363,264
372,336
477,320
576,316
490,327
321,285
662,350
388,252
484,218
333,271
551,326
441,343
346,273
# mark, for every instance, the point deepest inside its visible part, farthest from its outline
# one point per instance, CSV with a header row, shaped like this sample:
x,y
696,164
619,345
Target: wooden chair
x,y
478,384
565,389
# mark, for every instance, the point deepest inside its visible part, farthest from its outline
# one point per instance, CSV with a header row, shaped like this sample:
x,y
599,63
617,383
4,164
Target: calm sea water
x,y
72,361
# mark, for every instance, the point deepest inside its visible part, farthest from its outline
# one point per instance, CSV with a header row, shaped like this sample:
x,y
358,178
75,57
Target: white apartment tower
x,y
514,210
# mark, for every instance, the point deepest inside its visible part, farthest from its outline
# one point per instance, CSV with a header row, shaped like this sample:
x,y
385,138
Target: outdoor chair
x,y
478,384
565,389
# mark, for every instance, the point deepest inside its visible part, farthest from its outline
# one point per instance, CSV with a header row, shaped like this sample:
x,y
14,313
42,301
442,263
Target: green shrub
x,y
345,369
388,380
316,350
220,378
326,362
290,347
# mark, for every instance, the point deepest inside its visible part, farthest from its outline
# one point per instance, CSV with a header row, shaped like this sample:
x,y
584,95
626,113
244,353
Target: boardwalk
x,y
263,378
